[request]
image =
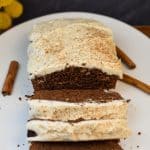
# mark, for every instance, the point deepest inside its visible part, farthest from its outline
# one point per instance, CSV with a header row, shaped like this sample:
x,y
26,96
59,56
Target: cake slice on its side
x,y
93,145
73,105
72,54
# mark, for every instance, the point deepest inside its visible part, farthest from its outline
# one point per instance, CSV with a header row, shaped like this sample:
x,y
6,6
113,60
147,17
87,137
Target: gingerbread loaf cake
x,y
72,54
70,63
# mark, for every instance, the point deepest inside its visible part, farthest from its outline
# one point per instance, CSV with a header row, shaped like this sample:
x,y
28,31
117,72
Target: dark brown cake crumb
x,y
20,98
139,133
46,52
137,146
18,145
128,101
31,133
83,64
67,64
28,96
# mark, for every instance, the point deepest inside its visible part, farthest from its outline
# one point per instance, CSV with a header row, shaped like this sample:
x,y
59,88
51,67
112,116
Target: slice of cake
x,y
77,115
72,54
74,105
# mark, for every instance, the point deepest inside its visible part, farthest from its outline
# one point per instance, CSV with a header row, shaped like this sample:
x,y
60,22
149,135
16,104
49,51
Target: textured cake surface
x,y
59,43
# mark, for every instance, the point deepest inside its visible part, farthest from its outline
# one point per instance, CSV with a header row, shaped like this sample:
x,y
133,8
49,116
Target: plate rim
x,y
71,12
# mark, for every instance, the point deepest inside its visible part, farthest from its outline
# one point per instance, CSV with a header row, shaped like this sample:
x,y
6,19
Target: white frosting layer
x,y
59,42
64,111
80,131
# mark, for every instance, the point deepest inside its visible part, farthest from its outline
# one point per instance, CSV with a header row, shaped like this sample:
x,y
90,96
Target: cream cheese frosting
x,y
56,43
66,111
79,131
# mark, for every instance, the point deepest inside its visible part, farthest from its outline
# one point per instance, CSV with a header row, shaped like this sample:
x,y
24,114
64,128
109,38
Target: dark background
x,y
134,12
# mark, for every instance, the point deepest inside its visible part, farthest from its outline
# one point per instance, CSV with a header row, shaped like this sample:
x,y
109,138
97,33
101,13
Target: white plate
x,y
14,113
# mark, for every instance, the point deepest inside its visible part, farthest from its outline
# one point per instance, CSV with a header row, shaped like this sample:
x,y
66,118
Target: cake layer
x,y
45,130
77,95
66,111
75,78
92,145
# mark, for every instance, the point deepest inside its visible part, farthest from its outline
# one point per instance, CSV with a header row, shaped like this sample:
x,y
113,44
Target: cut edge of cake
x,y
80,47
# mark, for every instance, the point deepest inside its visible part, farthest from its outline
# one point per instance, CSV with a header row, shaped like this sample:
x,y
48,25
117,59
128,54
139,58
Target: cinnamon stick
x,y
125,58
137,83
10,78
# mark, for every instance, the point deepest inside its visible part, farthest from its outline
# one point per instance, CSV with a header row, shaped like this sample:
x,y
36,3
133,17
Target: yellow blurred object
x,y
9,9
5,2
15,9
5,21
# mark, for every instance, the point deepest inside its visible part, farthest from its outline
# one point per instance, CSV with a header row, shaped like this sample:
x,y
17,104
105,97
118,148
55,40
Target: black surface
x,y
134,12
